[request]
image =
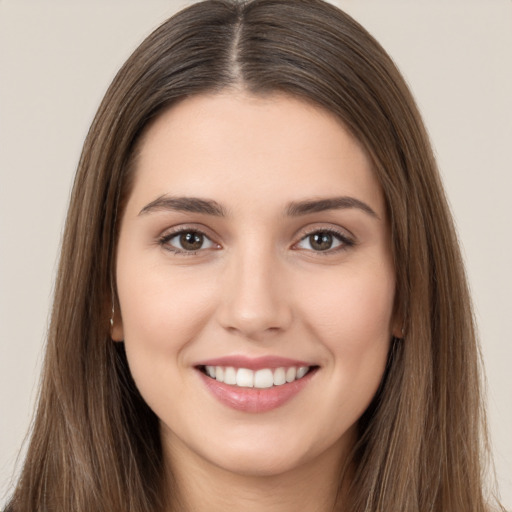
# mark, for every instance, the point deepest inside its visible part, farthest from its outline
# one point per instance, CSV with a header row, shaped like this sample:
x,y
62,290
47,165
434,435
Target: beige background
x,y
58,57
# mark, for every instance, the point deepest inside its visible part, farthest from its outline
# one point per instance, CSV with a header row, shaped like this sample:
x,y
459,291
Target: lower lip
x,y
255,399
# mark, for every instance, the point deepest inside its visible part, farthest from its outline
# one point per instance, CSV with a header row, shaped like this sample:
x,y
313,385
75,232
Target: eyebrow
x,y
293,209
185,204
296,209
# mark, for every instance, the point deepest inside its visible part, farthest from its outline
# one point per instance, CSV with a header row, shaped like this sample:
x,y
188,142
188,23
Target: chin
x,y
259,463
267,453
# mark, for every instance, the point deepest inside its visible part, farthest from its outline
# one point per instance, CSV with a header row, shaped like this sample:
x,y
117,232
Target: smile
x,y
255,385
260,379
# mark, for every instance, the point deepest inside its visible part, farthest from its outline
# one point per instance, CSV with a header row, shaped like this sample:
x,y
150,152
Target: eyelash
x,y
165,239
345,241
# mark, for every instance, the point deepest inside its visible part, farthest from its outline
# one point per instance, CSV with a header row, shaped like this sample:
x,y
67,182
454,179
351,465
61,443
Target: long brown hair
x,y
95,444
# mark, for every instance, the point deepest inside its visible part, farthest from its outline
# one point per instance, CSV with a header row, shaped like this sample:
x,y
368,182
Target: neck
x,y
197,485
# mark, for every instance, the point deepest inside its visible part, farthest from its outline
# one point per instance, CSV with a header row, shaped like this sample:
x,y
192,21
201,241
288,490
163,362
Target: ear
x,y
116,325
116,331
398,330
398,322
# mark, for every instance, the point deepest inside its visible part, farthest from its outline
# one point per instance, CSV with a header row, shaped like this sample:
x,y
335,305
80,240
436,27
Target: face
x,y
255,282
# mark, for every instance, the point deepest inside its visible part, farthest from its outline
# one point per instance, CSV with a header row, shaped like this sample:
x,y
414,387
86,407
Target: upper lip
x,y
253,363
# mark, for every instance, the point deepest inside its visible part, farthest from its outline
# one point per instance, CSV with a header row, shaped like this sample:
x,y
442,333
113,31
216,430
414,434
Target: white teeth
x,y
245,378
261,379
302,371
230,375
291,373
279,376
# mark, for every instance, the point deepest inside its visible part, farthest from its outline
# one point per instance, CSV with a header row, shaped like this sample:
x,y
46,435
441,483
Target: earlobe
x,y
398,334
398,320
398,327
116,326
116,330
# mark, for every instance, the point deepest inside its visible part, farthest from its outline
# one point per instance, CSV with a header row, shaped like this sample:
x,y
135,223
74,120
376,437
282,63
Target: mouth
x,y
263,378
255,385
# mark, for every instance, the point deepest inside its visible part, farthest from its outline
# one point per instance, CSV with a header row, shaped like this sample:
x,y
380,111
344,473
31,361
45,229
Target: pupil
x,y
321,241
191,241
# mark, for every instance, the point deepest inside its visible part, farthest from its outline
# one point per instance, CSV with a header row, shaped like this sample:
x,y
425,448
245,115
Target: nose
x,y
255,302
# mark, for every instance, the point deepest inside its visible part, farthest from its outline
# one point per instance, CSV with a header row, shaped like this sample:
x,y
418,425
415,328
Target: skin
x,y
258,286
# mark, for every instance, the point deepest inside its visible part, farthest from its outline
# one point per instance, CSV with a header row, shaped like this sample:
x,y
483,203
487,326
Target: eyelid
x,y
346,238
170,233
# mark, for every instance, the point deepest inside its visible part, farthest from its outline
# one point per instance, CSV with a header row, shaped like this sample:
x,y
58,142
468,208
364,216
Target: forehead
x,y
238,147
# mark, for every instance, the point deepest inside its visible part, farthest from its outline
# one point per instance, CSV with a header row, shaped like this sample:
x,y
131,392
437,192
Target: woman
x,y
260,302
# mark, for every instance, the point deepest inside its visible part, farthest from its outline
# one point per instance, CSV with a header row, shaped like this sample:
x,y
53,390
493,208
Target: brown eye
x,y
325,241
187,242
321,241
191,241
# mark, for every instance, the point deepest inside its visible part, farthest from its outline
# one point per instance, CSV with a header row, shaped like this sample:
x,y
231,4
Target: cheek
x,y
162,311
355,305
351,313
162,304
